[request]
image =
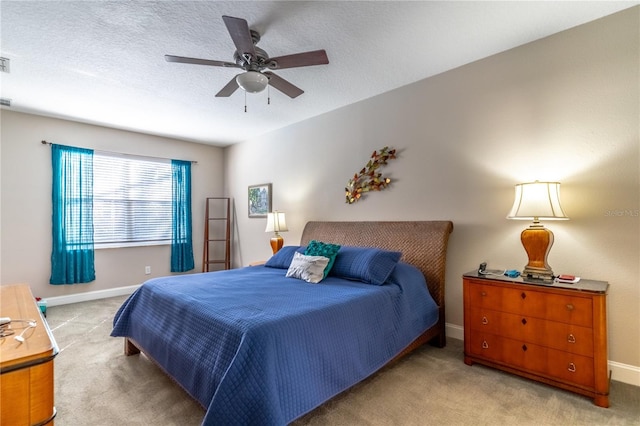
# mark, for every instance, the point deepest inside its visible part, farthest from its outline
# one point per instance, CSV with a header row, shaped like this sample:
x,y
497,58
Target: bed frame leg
x,y
130,348
441,340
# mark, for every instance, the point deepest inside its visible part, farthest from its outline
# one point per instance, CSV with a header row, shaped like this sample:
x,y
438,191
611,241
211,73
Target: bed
x,y
253,346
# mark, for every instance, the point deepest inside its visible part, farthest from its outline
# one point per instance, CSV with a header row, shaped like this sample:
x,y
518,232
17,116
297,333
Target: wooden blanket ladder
x,y
217,234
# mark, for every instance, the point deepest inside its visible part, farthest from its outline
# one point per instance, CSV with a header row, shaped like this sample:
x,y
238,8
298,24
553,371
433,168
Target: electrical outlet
x,y
147,270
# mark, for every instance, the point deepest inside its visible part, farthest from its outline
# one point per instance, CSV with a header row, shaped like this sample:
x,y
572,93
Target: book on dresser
x,y
555,333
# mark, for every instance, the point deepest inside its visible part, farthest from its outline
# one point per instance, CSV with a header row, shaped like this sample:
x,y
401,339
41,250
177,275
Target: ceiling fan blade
x,y
228,90
241,35
305,59
197,61
283,85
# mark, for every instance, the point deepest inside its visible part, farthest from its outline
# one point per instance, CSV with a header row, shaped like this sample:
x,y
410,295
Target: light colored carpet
x,y
96,384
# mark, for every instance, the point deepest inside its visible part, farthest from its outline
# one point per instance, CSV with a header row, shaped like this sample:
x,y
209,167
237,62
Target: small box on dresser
x,y
553,333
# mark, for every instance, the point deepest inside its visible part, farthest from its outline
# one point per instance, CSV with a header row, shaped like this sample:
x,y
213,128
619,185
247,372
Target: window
x,y
132,200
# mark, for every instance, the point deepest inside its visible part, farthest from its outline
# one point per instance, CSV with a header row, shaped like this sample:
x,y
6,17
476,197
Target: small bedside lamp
x,y
537,201
276,223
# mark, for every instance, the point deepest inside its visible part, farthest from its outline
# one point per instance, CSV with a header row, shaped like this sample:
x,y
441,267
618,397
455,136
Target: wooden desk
x,y
26,369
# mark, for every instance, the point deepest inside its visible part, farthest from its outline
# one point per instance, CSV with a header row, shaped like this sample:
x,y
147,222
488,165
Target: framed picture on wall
x,y
259,200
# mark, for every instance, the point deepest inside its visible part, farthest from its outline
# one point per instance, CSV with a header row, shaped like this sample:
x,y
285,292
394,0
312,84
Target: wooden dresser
x,y
555,333
26,369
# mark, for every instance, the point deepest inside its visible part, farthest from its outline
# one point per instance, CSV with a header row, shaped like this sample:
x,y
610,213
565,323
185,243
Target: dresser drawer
x,y
532,358
565,337
532,303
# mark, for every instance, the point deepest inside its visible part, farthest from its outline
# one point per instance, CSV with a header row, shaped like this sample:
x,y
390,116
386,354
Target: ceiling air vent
x,y
4,64
5,102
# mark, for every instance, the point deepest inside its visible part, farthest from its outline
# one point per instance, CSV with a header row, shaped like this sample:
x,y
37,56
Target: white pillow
x,y
308,268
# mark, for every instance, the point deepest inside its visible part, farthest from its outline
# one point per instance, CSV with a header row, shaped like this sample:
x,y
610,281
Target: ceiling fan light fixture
x,y
252,81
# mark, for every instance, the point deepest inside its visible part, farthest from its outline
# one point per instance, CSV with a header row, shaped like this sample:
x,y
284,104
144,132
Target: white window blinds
x,y
132,200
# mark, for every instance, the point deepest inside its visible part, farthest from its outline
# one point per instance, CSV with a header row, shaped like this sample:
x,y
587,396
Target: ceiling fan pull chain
x,y
245,101
268,95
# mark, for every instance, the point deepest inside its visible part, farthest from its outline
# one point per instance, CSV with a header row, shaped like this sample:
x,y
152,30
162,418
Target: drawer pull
x,y
483,293
570,307
485,321
572,367
571,338
485,345
524,321
523,295
524,348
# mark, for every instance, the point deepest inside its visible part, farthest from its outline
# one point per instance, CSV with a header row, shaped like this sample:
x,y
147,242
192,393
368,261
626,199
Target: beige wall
x,y
563,108
26,201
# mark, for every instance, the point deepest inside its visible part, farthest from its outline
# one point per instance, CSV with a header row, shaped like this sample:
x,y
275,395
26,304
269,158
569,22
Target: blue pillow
x,y
318,248
282,259
369,265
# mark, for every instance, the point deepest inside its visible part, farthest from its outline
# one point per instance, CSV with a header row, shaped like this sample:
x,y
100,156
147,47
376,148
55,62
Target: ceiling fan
x,y
254,61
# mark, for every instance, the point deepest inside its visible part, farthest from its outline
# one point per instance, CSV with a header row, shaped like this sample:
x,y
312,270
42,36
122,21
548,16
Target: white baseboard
x,y
624,373
454,331
91,295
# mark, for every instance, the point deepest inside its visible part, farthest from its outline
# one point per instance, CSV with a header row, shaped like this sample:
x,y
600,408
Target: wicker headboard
x,y
423,244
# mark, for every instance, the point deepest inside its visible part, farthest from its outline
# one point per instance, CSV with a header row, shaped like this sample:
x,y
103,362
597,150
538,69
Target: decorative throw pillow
x,y
369,265
308,268
282,259
318,248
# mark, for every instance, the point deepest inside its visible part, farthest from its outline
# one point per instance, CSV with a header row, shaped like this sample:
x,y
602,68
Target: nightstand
x,y
553,333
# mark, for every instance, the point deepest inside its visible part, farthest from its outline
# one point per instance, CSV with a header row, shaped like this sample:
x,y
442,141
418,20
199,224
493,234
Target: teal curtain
x,y
181,237
72,256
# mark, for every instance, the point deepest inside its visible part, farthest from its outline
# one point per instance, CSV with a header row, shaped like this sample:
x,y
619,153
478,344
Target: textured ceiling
x,y
103,62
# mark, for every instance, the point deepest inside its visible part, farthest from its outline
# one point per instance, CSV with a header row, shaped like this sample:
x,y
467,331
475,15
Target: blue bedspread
x,y
254,347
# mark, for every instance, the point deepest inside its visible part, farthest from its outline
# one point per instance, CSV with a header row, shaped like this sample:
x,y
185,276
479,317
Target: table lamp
x,y
276,223
537,201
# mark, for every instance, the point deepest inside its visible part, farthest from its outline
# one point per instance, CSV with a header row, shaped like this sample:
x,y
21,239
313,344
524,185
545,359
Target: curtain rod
x,y
43,142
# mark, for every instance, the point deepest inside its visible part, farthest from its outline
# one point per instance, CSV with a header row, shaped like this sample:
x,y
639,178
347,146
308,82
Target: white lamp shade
x,y
276,222
252,81
537,201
